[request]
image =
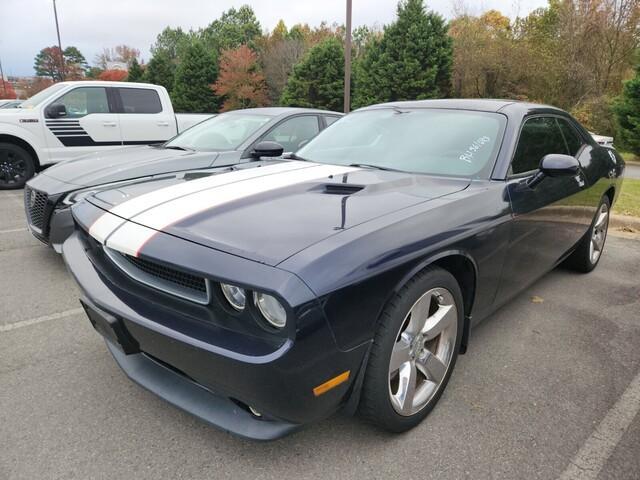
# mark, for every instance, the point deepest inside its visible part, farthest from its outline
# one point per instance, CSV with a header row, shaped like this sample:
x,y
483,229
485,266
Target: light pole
x,y
347,61
4,87
55,14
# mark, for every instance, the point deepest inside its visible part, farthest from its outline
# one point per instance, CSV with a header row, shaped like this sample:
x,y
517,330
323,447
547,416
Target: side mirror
x,y
267,149
555,165
56,110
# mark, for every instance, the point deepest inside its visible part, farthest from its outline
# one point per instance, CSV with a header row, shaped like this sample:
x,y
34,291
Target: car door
x,y
547,219
294,132
144,118
90,124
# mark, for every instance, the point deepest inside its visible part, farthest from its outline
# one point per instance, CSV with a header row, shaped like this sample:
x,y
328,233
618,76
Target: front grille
x,y
161,277
35,203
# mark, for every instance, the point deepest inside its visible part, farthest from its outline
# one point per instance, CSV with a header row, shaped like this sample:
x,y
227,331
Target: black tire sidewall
x,y
29,161
376,404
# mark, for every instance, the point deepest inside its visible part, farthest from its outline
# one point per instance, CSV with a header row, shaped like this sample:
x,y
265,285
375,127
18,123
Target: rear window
x,y
139,100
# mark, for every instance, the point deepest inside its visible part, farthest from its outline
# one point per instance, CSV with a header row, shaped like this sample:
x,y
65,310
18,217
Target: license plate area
x,y
110,327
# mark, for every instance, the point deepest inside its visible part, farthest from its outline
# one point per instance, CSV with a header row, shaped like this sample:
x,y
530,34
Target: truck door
x,y
87,123
144,118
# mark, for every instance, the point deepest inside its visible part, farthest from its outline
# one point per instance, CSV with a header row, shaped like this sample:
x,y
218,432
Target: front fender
x,y
9,131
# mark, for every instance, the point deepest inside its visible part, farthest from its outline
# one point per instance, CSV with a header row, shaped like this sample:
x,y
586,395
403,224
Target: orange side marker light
x,y
329,384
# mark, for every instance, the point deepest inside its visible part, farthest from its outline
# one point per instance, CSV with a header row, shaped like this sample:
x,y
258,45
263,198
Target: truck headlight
x,y
235,295
271,309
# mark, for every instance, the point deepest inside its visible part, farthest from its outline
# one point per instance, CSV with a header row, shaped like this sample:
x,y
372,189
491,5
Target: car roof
x,y
478,104
277,111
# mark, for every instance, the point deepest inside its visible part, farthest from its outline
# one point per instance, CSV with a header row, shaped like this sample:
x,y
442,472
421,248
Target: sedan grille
x,y
35,203
163,278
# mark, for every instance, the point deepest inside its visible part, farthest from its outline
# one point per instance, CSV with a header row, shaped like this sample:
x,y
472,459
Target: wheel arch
x,y
7,138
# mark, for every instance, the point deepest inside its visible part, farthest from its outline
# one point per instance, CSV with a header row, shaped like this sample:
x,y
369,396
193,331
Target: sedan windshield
x,y
419,140
226,131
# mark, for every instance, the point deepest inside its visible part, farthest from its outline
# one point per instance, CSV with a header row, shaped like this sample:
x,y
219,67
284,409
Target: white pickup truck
x,y
70,119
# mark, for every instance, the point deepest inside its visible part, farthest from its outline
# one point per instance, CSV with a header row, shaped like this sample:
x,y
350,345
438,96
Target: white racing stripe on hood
x,y
106,224
130,237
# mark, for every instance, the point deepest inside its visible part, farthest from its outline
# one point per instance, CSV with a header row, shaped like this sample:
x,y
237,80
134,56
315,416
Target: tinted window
x,y
421,140
574,142
140,100
84,100
294,133
539,137
330,120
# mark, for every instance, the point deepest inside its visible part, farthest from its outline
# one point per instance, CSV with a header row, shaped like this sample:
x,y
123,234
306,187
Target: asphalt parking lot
x,y
550,388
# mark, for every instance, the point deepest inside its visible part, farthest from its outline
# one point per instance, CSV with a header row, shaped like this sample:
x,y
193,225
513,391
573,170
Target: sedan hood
x,y
263,211
127,163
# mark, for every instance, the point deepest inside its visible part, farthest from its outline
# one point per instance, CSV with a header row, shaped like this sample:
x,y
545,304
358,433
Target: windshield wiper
x,y
178,147
377,167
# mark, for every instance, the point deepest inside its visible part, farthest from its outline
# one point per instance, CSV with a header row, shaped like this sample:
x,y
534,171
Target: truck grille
x,y
163,278
35,203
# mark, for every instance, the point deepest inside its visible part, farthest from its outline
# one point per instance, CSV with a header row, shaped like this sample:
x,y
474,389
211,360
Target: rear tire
x,y
414,351
16,166
589,251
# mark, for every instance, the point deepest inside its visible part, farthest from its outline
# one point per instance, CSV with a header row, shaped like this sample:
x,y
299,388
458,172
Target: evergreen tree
x,y
627,110
232,29
411,61
135,71
160,71
318,80
191,90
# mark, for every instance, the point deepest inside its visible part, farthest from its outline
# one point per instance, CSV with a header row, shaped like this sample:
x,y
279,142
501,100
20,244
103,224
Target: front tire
x,y
414,351
16,166
588,253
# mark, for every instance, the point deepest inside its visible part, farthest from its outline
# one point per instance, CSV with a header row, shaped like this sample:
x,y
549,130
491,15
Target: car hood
x,y
263,211
127,163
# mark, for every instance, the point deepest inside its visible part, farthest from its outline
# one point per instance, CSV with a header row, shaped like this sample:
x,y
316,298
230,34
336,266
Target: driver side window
x,y
294,133
84,100
539,137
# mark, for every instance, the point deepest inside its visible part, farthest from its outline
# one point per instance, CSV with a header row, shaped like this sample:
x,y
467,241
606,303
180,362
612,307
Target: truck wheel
x,y
414,351
16,166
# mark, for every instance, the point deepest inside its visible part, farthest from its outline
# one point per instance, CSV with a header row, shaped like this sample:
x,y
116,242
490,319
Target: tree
x,y
318,80
233,29
627,110
197,71
411,61
135,71
160,71
113,75
6,90
172,42
48,64
240,81
75,65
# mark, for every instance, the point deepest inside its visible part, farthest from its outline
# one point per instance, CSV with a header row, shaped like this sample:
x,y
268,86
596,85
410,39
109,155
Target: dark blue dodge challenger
x,y
268,295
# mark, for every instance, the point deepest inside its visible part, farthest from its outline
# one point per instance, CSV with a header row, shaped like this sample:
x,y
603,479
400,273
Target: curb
x,y
625,222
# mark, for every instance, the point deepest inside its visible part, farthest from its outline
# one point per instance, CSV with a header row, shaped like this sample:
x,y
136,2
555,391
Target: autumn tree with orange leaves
x,y
240,80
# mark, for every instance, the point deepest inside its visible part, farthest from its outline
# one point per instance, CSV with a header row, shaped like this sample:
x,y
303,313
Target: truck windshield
x,y
226,131
41,96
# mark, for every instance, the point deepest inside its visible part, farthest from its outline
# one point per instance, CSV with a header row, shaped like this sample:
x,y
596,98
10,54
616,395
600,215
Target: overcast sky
x,y
26,26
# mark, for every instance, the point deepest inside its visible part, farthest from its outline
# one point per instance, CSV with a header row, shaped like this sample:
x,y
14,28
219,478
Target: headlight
x,y
271,309
235,295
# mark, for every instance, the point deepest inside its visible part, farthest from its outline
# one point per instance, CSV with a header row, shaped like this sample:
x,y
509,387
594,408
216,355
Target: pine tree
x,y
160,71
411,61
318,80
191,89
627,110
135,71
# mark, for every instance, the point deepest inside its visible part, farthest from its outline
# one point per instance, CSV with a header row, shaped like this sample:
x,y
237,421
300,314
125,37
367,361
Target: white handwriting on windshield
x,y
467,155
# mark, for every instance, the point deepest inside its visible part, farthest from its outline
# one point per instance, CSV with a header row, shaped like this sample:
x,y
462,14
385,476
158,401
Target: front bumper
x,y
209,378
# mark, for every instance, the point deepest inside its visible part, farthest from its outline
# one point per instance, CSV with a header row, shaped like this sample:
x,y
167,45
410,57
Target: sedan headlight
x,y
271,309
235,295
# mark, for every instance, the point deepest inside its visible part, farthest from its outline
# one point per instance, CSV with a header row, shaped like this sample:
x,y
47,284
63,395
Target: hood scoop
x,y
341,188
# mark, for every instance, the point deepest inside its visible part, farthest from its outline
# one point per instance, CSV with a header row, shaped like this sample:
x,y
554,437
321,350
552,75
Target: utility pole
x,y
55,14
347,61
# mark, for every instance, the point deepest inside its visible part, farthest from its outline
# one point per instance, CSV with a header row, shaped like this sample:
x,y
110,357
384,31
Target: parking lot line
x,y
600,445
44,318
13,230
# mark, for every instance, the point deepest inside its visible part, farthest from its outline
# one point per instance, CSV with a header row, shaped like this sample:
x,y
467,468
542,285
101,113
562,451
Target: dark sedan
x,y
224,140
269,296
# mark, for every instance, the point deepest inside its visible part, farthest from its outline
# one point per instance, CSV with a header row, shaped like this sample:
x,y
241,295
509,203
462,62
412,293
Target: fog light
x,y
235,295
271,309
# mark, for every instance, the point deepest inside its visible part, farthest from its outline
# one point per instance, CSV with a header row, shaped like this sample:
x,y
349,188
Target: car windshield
x,y
419,140
226,131
41,96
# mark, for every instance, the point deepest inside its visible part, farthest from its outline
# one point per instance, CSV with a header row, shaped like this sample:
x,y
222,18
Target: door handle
x,y
163,124
109,124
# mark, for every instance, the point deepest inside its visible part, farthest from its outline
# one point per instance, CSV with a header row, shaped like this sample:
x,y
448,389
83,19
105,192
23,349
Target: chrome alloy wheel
x,y
599,233
423,351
